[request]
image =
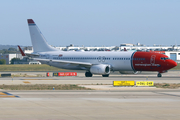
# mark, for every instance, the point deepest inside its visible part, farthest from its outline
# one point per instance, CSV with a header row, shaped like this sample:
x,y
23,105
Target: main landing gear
x,y
159,75
88,74
107,75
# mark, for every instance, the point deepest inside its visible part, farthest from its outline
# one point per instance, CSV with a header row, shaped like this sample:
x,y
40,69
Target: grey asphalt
x,y
91,105
111,103
170,77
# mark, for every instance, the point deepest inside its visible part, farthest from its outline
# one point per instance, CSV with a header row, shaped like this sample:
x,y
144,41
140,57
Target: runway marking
x,y
167,94
7,95
1,93
26,82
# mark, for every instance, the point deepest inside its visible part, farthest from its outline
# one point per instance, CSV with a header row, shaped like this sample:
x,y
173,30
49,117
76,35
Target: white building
x,y
8,57
174,55
173,52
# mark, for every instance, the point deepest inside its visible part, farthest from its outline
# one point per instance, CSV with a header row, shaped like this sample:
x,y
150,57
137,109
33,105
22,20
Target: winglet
x,y
22,53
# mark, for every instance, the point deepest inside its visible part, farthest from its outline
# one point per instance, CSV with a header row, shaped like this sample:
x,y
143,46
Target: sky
x,y
92,22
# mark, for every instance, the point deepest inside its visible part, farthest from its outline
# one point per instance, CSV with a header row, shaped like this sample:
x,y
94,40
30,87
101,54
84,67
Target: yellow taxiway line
x,y
6,95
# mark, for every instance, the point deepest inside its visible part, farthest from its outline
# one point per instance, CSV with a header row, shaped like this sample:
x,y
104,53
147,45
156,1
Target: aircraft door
x,y
47,56
152,61
103,59
99,59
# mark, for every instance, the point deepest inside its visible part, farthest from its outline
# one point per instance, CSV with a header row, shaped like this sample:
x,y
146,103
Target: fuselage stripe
x,y
132,61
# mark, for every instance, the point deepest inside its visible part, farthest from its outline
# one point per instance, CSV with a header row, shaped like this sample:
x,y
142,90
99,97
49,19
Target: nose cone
x,y
172,64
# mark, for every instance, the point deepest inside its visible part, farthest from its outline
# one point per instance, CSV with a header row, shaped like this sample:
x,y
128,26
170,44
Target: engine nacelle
x,y
100,69
128,72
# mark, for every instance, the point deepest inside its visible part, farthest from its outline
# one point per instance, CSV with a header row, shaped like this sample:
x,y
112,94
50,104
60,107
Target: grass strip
x,y
42,87
167,85
177,67
25,67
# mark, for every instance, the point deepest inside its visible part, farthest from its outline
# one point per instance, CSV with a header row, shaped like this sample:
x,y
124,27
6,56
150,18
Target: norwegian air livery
x,y
94,62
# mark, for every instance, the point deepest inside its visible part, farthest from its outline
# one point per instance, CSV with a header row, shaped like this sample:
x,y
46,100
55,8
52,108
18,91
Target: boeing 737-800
x,y
94,62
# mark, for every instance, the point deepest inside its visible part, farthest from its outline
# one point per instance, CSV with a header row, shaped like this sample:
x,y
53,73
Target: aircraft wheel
x,y
88,74
106,75
159,75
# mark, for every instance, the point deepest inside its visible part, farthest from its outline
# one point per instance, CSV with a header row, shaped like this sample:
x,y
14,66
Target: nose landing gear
x,y
159,75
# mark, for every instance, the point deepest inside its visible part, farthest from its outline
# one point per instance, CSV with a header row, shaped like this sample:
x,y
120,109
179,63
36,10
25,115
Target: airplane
x,y
97,62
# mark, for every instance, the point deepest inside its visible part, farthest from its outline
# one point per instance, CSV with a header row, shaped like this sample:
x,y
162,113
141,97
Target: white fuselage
x,y
117,60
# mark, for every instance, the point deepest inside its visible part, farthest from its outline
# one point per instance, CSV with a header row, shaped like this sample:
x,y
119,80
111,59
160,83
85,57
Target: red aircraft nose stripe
x,y
173,64
150,61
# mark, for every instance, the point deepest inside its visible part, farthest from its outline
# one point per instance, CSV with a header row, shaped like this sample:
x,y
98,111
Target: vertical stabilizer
x,y
38,41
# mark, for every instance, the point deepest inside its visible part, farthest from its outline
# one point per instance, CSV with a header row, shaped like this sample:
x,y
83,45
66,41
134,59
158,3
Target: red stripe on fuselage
x,y
151,61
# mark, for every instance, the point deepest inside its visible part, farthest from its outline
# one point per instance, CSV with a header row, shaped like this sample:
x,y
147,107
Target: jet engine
x,y
100,69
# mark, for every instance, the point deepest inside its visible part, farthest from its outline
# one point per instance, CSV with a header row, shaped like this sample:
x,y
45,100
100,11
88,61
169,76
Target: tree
x,y
12,49
8,51
14,60
2,61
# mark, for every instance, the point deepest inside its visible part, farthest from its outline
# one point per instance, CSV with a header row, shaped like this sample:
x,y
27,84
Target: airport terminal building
x,y
9,57
173,52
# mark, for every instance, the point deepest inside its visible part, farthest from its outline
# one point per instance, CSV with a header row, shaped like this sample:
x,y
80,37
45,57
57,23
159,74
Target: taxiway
x,y
107,104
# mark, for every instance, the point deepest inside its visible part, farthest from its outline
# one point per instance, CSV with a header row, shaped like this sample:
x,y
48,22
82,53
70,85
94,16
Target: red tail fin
x,y
22,53
30,21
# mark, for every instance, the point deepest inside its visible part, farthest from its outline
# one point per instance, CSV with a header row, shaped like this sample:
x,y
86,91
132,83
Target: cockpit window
x,y
164,58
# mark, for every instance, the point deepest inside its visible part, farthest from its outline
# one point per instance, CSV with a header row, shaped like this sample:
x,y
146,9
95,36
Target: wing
x,y
82,64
